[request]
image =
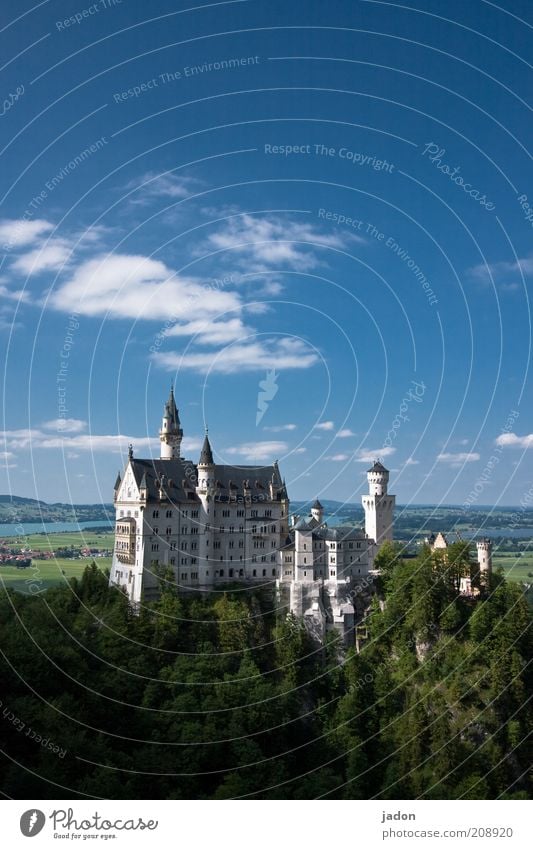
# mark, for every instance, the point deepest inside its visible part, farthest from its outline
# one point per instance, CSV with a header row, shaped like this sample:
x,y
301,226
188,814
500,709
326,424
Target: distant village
x,y
22,558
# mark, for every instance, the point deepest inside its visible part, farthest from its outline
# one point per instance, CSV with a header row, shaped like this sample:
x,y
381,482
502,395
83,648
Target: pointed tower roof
x,y
171,411
317,505
118,482
143,484
206,456
378,467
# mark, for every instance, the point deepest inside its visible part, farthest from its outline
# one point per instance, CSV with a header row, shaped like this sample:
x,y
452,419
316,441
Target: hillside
x,y
14,509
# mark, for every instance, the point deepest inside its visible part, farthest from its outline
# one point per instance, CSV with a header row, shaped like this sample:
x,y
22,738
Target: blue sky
x,y
320,209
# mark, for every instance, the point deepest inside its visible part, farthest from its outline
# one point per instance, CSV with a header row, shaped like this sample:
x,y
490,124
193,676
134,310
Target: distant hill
x,y
14,509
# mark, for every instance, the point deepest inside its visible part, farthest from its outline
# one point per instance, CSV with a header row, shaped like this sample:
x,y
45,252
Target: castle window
x,y
305,559
305,574
254,529
253,514
194,530
264,573
332,573
169,531
240,513
155,514
155,546
272,558
241,543
184,576
232,543
194,546
194,576
358,545
221,573
230,573
194,514
193,559
156,531
254,573
273,529
172,561
273,573
268,513
169,514
231,529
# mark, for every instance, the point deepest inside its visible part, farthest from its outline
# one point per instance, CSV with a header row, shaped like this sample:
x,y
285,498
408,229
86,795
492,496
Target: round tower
x,y
378,479
378,505
317,512
171,433
484,559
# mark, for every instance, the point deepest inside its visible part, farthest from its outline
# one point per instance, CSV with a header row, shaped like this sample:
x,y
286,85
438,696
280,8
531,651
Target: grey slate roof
x,y
317,505
206,455
378,467
173,473
180,478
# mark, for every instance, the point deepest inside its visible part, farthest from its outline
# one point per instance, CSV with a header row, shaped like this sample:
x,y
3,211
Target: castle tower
x,y
317,512
378,505
484,559
171,433
205,489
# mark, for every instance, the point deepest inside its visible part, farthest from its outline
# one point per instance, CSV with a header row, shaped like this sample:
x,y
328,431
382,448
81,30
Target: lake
x,y
26,528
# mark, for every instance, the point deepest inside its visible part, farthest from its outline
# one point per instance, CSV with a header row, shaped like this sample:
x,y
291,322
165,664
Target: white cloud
x,y
167,185
273,241
51,256
269,354
345,433
514,441
457,459
66,425
130,286
258,451
368,455
35,438
212,332
411,462
280,428
498,273
339,458
325,426
15,233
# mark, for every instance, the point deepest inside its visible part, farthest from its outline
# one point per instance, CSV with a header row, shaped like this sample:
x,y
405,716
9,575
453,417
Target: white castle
x,y
216,525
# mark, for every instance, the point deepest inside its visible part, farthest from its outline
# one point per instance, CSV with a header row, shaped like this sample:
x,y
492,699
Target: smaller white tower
x,y
378,505
317,512
171,433
484,559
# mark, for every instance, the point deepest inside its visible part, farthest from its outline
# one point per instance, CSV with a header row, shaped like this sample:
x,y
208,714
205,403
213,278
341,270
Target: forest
x,y
225,696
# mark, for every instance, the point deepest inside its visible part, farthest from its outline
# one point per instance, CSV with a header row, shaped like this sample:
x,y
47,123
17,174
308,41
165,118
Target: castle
x,y
215,525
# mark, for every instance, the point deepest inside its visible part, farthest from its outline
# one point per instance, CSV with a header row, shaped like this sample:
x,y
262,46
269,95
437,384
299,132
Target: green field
x,y
47,573
49,542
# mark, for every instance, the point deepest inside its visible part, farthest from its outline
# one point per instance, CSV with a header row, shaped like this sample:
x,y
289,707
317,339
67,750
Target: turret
x,y
171,433
378,505
484,559
378,479
317,512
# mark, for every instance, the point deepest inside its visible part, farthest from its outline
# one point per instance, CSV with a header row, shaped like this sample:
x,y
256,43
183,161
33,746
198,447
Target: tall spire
x,y
171,432
206,455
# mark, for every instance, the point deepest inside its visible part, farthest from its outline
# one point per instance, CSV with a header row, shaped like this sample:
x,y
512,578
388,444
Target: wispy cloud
x,y
345,433
66,425
368,455
52,256
457,459
267,354
39,438
324,426
280,428
411,462
266,242
258,451
506,275
152,185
